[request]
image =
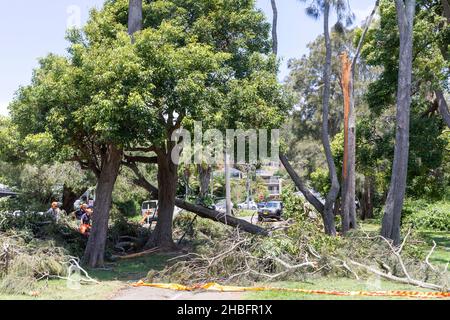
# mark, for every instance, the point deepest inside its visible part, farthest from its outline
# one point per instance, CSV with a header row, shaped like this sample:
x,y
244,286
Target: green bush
x,y
423,216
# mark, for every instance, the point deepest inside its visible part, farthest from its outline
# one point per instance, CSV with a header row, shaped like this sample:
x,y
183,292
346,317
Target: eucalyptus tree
x,y
348,198
316,9
394,203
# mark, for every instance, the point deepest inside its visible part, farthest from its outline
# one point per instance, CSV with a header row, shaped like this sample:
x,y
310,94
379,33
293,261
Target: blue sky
x,y
32,29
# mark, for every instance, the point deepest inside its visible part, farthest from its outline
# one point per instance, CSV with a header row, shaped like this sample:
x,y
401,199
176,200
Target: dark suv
x,y
272,210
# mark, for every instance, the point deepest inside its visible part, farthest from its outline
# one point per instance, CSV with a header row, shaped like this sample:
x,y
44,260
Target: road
x,y
147,293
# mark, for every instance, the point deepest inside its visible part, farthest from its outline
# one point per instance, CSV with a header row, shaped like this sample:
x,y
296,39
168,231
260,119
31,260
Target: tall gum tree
x,y
316,9
394,203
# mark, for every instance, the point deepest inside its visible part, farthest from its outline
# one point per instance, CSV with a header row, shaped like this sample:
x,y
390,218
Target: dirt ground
x,y
147,293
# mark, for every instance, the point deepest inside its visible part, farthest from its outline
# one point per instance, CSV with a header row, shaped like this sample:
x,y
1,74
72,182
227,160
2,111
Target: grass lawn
x,y
339,284
245,213
121,273
113,278
440,256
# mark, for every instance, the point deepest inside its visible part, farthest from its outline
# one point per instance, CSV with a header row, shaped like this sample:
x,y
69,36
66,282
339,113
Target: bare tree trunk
x,y
443,107
367,199
394,203
95,249
204,174
334,190
446,9
227,185
134,16
348,211
274,27
345,192
167,182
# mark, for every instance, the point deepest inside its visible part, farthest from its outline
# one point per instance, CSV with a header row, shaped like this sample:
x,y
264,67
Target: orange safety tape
x,y
220,288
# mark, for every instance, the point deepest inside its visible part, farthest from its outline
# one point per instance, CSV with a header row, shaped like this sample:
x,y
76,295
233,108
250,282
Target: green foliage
x,y
421,215
39,185
320,181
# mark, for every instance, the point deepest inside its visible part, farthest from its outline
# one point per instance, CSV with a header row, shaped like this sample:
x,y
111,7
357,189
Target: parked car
x,y
221,206
272,210
250,206
152,205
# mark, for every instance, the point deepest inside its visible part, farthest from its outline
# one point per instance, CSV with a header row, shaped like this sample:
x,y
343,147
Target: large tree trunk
x,y
394,203
348,211
134,16
68,199
167,182
367,199
442,104
274,27
349,167
95,249
204,174
443,107
199,210
334,190
228,184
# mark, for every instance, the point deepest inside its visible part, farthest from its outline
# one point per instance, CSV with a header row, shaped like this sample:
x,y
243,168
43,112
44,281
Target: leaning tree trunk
x,y
394,203
95,249
201,211
274,27
167,183
334,190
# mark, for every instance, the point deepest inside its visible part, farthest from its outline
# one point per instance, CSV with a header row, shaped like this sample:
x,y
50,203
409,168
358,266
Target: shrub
x,y
422,216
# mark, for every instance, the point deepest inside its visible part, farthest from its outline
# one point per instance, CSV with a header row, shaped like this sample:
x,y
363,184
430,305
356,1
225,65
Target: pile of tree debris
x,y
297,252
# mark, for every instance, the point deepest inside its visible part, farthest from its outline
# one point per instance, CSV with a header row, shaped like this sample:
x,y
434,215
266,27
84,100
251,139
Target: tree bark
x,y
443,107
134,16
394,203
367,199
227,185
167,182
95,249
204,173
348,198
334,190
345,193
68,199
446,9
274,27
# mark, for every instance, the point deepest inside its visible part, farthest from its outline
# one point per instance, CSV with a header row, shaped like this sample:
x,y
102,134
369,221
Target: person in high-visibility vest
x,y
86,222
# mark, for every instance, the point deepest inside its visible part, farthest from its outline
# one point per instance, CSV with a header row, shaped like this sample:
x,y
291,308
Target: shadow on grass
x,y
130,270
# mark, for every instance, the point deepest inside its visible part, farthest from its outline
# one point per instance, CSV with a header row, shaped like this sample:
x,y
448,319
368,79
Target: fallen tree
x,y
201,211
